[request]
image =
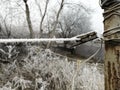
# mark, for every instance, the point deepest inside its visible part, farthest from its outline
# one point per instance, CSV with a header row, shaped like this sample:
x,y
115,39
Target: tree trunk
x,y
28,20
56,22
42,19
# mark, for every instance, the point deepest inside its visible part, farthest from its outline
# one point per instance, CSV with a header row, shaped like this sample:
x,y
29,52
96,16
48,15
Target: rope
x,y
37,40
111,31
102,3
109,12
108,3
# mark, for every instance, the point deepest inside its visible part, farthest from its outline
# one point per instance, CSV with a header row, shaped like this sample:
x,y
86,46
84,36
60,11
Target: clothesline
x,y
75,38
38,40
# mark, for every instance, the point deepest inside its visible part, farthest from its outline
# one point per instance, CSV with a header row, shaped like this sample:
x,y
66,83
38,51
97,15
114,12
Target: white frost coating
x,y
37,40
44,39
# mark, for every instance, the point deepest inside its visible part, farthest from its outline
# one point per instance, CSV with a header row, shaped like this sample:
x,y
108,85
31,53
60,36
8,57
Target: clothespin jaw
x,y
87,37
83,38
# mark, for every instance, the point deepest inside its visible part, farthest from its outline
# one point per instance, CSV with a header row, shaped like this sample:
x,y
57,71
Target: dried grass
x,y
45,70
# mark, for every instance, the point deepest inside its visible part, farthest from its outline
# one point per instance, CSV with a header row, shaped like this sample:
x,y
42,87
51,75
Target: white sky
x,y
97,18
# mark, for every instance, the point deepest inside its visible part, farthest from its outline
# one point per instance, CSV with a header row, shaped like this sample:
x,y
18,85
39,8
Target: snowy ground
x,y
44,70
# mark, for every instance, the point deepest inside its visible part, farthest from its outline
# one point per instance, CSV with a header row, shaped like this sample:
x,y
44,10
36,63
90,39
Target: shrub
x,y
45,70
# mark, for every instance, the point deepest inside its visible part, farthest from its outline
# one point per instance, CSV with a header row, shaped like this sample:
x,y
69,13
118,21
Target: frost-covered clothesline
x,y
75,38
38,40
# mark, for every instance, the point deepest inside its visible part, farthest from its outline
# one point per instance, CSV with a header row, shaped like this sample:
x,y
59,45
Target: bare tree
x,y
5,28
74,21
43,16
28,19
56,22
12,17
57,17
70,26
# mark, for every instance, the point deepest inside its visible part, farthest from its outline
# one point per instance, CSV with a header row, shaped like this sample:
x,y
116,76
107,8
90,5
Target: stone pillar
x,y
112,43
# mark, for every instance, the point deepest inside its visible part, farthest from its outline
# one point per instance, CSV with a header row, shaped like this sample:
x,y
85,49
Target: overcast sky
x,y
97,18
